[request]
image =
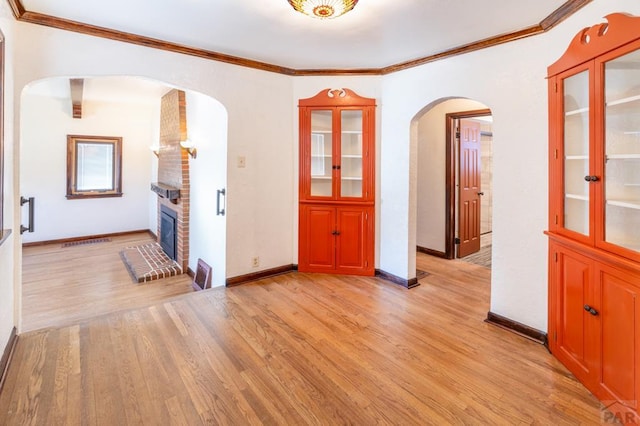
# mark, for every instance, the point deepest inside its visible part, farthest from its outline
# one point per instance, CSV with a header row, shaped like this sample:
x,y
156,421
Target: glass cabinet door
x,y
351,153
321,153
576,152
622,151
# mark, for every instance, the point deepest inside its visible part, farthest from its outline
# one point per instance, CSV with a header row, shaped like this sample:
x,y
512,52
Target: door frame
x,y
450,176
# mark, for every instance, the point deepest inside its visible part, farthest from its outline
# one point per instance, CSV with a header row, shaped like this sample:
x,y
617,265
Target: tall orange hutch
x,y
337,174
594,216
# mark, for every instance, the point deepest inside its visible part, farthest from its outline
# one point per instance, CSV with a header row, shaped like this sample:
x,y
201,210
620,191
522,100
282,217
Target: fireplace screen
x,y
168,231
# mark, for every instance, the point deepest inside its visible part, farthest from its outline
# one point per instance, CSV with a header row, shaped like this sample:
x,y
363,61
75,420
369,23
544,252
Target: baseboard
x,y
87,237
518,328
432,252
7,355
413,282
241,279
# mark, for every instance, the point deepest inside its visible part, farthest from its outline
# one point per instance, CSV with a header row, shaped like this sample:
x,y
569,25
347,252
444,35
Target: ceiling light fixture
x,y
323,9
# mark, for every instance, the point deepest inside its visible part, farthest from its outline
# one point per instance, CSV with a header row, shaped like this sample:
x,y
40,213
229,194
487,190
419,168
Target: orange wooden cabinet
x,y
336,186
594,211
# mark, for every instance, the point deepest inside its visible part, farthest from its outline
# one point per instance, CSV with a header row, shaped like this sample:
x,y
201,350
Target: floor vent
x,y
84,242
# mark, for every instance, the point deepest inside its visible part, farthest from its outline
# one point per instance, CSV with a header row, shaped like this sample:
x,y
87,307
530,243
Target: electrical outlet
x,y
242,162
255,262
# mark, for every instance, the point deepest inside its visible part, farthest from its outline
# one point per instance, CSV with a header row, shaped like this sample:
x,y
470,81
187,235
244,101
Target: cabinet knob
x,y
590,310
591,178
336,232
480,193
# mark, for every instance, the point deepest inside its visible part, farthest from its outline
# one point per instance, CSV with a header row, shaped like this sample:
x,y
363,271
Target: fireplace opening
x,y
168,231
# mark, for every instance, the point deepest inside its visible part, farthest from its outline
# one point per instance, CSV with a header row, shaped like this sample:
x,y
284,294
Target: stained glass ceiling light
x,y
323,9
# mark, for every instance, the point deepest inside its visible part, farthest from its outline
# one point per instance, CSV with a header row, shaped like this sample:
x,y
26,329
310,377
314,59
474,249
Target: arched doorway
x,y
127,107
437,129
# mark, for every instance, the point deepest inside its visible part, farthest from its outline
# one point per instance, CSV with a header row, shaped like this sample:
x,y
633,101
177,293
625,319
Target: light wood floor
x,y
297,349
63,286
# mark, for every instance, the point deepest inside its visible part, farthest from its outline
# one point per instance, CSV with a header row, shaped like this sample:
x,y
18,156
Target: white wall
x,y
260,127
9,250
510,80
207,129
431,174
46,122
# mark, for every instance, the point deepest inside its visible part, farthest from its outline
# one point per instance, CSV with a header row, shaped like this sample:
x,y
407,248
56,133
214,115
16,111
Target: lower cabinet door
x,y
317,240
352,242
575,333
619,311
336,239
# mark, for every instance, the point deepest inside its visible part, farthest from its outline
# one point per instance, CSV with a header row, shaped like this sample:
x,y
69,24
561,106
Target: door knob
x,y
590,310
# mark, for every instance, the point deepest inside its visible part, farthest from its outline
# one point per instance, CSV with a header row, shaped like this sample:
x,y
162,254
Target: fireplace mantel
x,y
165,191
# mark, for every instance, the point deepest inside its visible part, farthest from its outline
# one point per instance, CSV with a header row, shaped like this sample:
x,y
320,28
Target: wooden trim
x,y
241,279
450,176
7,356
76,86
72,166
562,13
557,16
79,27
87,237
410,283
465,48
17,8
432,252
518,328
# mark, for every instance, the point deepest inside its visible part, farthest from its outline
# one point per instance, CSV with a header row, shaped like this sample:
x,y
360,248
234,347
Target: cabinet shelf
x,y
623,101
623,157
350,178
577,197
351,155
576,111
576,157
321,177
321,155
629,204
352,132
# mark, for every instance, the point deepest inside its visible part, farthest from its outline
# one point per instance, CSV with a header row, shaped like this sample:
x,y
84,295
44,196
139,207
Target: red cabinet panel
x,y
336,185
594,211
317,224
619,310
573,292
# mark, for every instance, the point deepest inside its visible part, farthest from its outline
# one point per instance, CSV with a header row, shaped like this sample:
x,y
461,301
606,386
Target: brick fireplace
x,y
173,174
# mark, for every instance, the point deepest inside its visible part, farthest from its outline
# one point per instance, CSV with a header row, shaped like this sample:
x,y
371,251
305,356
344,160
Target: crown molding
x,y
21,14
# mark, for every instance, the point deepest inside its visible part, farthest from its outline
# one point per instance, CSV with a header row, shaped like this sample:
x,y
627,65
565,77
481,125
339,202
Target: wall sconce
x,y
190,147
155,149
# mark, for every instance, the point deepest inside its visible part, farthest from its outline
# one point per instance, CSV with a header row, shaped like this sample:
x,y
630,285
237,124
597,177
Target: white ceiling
x,y
376,34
